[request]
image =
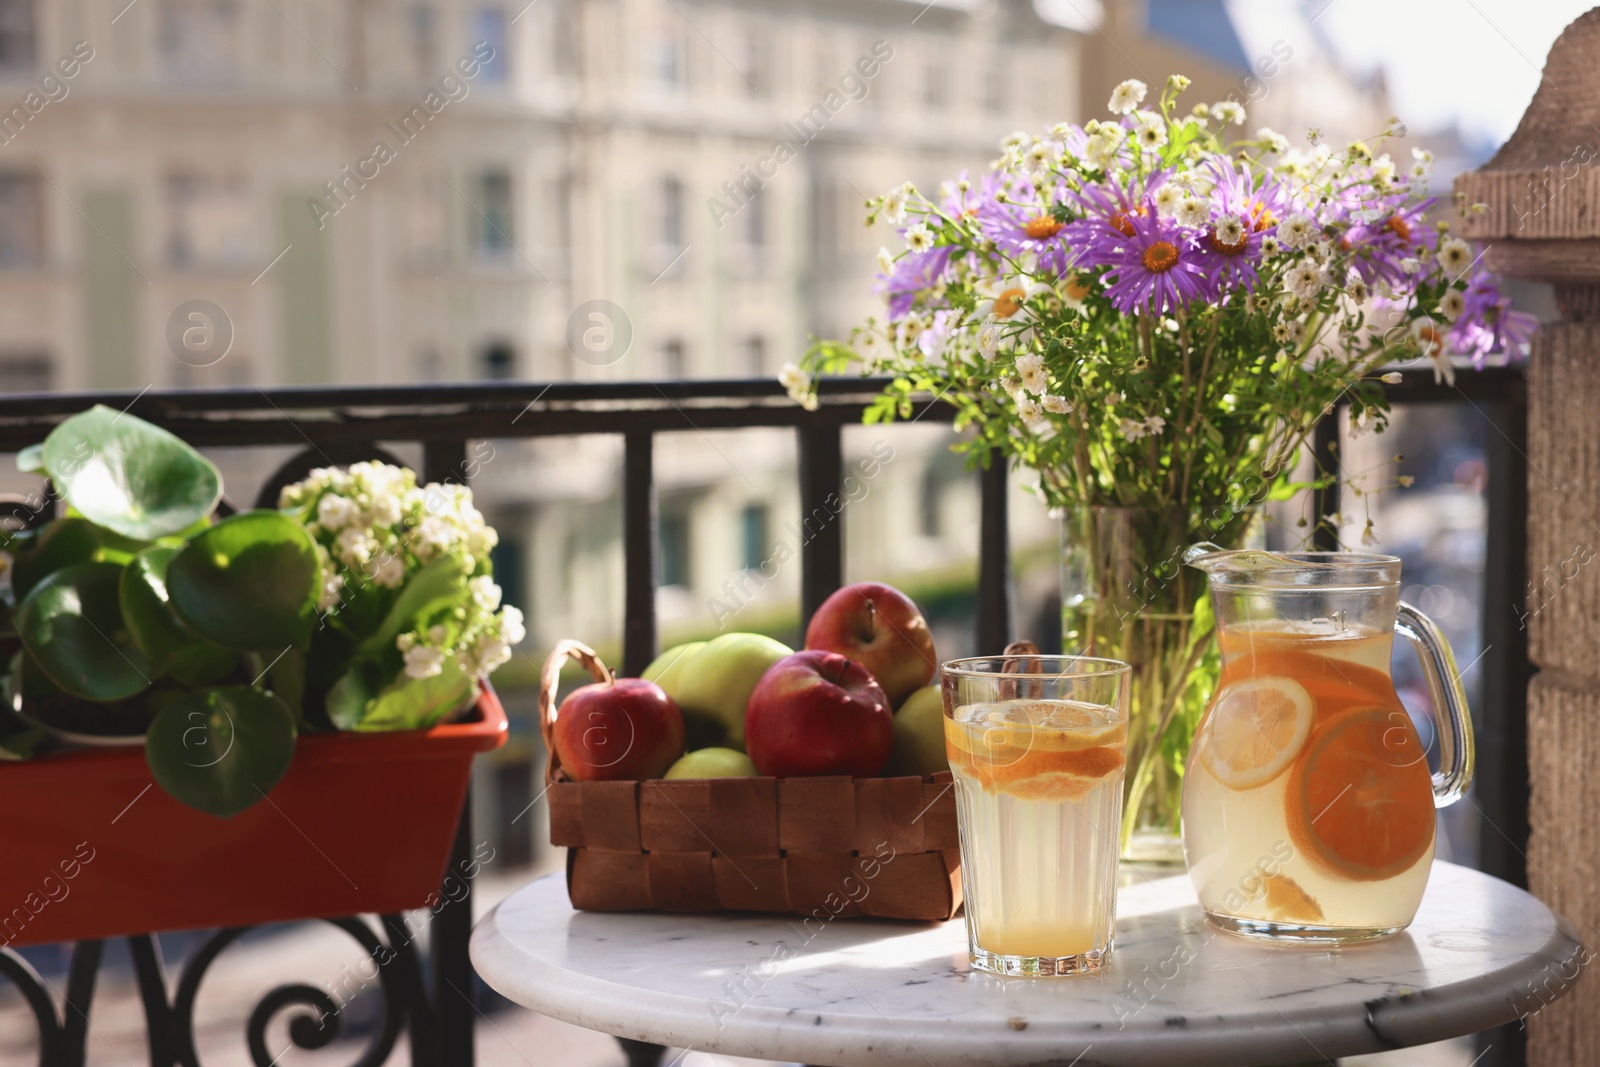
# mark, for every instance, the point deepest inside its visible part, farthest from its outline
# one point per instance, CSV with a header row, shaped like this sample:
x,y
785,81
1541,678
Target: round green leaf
x,y
62,543
72,624
156,628
248,583
221,750
31,459
129,476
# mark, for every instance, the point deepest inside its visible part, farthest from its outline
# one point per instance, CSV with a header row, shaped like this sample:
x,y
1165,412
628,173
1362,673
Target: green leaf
x,y
31,459
129,476
248,583
63,543
221,750
72,625
156,628
438,585
349,696
412,703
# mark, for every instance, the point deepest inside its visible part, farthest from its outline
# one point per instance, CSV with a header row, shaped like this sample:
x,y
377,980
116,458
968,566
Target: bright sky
x,y
1474,62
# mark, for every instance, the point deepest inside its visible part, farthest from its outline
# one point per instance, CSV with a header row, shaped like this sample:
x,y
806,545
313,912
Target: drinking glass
x,y
1038,748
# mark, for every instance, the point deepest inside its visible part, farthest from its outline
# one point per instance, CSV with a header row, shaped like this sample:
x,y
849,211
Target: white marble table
x,y
855,992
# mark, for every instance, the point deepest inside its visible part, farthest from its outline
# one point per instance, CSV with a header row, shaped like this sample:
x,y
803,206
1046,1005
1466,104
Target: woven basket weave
x,y
832,847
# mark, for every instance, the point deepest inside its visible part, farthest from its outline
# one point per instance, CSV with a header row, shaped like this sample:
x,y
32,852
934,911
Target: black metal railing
x,y
434,1003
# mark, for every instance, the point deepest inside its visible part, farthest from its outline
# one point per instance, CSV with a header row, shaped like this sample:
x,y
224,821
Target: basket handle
x,y
550,682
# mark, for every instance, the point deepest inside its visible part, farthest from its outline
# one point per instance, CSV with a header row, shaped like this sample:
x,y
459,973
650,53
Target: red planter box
x,y
92,848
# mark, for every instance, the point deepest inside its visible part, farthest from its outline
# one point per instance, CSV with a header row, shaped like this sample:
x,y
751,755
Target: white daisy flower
x,y
1132,429
1032,415
1056,405
1177,82
1411,265
1127,96
1101,151
1167,198
1452,304
919,238
989,338
1306,280
1014,140
1012,387
1272,140
1280,331
1040,157
1454,255
1359,292
1230,230
1155,424
885,261
894,206
1270,246
1151,136
1193,212
1227,111
1030,369
1297,231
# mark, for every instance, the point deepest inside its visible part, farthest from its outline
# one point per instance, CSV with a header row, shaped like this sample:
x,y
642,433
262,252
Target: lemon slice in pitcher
x,y
1256,729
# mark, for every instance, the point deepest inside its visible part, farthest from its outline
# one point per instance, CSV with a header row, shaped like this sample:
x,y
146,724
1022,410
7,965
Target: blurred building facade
x,y
426,190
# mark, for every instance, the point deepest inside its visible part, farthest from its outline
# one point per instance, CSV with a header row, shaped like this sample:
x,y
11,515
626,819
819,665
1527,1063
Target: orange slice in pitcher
x,y
1255,729
1360,803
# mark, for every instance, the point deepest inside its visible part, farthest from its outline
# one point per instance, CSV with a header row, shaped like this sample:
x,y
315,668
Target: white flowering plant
x,y
413,617
365,602
1148,312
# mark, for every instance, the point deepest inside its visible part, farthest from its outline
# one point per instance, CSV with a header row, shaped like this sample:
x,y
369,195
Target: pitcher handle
x,y
1454,721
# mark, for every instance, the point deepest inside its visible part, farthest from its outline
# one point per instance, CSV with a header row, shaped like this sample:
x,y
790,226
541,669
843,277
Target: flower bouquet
x,y
1152,317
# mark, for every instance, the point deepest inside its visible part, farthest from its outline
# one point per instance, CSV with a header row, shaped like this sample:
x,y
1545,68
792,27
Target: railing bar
x,y
1325,499
640,552
821,531
994,557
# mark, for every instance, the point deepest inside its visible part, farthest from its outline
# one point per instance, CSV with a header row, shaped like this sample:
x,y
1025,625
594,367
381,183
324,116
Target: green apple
x,y
919,734
713,763
666,670
714,685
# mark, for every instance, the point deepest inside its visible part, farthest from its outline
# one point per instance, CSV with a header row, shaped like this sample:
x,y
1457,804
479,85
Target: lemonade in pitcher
x,y
1308,805
1038,755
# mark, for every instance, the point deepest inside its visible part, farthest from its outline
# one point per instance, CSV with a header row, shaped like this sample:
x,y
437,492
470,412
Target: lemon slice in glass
x,y
1256,729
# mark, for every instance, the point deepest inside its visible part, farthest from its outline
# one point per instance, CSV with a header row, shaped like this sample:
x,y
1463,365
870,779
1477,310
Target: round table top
x,y
855,991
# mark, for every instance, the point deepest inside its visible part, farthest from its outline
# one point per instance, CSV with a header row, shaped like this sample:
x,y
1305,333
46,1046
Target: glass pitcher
x,y
1308,807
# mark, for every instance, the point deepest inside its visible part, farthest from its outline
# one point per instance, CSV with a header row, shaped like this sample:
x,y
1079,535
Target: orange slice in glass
x,y
1360,803
1257,726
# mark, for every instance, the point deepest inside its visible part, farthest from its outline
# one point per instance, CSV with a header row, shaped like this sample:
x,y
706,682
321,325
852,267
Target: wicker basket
x,y
833,847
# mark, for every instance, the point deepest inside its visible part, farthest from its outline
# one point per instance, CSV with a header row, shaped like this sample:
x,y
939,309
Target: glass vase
x,y
1126,595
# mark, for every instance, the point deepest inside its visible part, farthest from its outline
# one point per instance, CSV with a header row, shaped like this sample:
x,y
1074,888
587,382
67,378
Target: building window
x,y
674,365
17,40
489,25
755,64
935,82
755,221
673,540
753,535
755,356
21,219
423,21
25,372
668,55
499,362
208,219
199,40
994,86
670,214
493,212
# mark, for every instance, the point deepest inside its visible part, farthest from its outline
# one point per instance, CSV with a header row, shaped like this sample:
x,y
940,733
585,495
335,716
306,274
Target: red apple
x,y
880,628
818,713
627,729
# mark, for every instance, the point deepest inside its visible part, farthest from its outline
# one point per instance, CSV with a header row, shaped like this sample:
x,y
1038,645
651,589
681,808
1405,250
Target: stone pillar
x,y
1542,193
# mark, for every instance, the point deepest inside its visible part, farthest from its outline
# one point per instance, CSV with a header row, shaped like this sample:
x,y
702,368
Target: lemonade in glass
x,y
1038,749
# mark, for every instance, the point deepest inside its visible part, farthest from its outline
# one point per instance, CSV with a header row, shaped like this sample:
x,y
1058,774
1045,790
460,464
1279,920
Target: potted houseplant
x,y
211,717
1152,318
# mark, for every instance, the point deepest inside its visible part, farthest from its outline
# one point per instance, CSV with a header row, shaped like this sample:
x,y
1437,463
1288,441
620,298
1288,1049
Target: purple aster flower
x,y
1379,247
1154,269
913,274
1488,324
1108,208
1244,214
1024,225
